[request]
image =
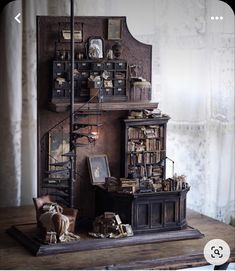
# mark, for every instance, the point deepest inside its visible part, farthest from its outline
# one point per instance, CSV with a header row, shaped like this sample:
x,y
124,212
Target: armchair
x,y
69,212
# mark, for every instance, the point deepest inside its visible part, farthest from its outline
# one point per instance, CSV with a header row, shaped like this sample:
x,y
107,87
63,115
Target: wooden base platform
x,y
26,234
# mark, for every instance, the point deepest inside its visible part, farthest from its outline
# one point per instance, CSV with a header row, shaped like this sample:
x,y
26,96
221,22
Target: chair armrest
x,y
70,212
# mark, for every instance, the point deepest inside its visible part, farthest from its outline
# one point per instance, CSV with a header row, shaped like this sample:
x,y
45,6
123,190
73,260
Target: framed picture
x,y
65,32
77,35
98,168
114,29
96,48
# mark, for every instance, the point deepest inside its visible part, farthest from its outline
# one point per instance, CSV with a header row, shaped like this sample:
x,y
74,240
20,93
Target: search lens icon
x,y
216,252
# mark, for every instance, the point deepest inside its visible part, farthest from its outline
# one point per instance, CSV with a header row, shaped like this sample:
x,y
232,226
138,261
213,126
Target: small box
x,y
140,91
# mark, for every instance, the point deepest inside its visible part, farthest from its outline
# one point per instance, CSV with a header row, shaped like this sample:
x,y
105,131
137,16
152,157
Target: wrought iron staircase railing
x,y
58,172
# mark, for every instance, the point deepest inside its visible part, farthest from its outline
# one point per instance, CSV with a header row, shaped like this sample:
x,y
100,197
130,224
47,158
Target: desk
x,y
168,255
146,212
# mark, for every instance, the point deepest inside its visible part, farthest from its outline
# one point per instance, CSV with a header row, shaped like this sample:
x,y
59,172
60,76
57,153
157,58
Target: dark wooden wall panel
x,y
109,141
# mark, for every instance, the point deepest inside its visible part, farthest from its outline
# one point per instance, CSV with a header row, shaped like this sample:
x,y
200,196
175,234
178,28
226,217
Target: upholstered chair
x,y
69,212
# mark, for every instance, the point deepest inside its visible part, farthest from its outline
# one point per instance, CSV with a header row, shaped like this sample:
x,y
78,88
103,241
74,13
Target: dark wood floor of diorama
x,y
27,235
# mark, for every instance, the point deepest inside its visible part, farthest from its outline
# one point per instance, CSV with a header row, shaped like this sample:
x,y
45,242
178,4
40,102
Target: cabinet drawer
x,y
119,83
85,74
59,66
97,66
120,75
60,93
83,65
108,91
119,91
108,66
57,93
58,74
95,73
120,65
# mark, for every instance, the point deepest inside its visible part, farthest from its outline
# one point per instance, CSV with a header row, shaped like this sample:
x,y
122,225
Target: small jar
x,y
117,49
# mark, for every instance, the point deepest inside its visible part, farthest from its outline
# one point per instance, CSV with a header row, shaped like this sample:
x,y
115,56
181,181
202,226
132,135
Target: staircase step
x,y
62,200
56,179
61,194
77,145
83,134
55,186
59,164
69,154
85,114
88,124
65,170
77,126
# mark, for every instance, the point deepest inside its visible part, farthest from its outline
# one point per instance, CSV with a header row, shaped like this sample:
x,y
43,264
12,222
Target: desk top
x,y
167,255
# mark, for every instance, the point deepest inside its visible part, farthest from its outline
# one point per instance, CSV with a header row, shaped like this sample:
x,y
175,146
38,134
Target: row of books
x,y
153,144
148,171
145,158
143,132
147,145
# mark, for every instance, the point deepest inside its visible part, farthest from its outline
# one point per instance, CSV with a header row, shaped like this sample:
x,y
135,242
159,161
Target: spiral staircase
x,y
60,174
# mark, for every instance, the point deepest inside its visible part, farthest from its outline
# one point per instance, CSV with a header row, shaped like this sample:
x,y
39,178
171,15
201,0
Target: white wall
x,y
193,81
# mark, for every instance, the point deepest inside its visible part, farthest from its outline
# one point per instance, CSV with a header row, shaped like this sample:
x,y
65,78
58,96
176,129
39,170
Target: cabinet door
x,y
183,209
149,214
171,212
142,213
157,214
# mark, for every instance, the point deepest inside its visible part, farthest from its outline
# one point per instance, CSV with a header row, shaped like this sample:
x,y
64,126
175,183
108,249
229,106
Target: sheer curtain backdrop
x,y
192,78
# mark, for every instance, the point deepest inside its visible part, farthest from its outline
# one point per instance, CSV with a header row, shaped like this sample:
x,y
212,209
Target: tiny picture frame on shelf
x,y
96,48
98,168
66,34
115,29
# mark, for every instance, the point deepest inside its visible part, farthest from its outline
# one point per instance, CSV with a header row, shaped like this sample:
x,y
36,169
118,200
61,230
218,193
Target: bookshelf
x,y
144,148
143,158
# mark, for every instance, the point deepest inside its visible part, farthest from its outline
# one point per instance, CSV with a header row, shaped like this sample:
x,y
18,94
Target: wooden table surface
x,y
167,255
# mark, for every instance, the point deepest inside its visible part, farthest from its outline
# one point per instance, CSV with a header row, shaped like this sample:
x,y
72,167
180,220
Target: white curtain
x,y
10,108
193,80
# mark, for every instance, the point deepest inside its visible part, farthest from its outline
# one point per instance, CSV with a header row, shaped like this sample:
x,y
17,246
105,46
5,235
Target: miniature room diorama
x,y
101,142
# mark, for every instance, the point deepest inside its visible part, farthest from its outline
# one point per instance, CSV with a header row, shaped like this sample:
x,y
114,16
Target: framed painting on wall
x,y
98,168
114,29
